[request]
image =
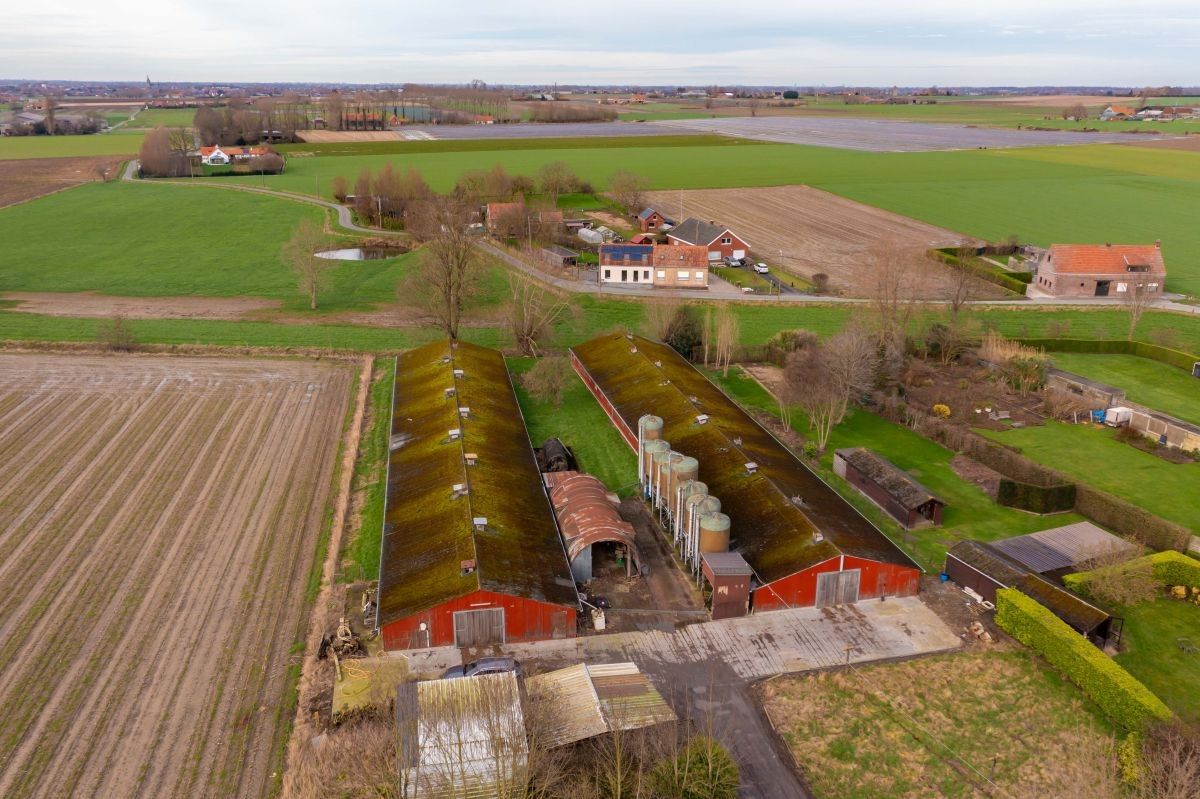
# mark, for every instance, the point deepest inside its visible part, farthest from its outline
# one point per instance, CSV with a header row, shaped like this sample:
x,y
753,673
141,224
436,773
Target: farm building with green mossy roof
x,y
471,554
805,544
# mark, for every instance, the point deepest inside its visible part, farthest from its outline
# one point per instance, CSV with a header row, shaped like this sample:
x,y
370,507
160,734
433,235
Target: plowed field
x,y
159,521
805,230
22,180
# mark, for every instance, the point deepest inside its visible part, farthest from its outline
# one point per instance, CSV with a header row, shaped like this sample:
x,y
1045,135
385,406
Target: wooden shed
x,y
730,576
889,487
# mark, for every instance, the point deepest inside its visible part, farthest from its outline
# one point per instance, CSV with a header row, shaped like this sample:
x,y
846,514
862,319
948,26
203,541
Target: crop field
x,y
943,726
882,135
805,230
33,177
167,117
16,147
161,520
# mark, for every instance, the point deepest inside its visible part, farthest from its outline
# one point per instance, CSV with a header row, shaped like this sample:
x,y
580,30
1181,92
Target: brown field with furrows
x,y
161,516
805,231
341,136
22,180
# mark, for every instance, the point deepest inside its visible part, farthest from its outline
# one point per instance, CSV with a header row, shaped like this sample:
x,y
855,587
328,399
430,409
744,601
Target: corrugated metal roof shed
x,y
585,700
462,739
1072,609
727,563
769,528
1063,547
429,529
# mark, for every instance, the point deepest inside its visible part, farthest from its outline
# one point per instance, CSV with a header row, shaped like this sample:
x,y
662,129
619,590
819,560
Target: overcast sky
x,y
869,42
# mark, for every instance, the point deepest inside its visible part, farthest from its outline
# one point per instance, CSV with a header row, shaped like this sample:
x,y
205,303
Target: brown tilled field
x,y
160,522
26,179
815,231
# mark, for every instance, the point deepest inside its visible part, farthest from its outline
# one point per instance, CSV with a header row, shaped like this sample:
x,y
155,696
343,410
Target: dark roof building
x,y
791,527
719,241
471,553
888,486
1064,549
984,568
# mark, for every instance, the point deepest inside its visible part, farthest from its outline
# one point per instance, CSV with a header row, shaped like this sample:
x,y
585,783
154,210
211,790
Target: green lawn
x,y
582,426
18,147
969,513
1092,455
1046,195
1150,383
167,117
1154,657
360,558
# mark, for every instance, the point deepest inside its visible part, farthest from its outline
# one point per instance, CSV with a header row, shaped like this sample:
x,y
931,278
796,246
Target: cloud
x,y
541,41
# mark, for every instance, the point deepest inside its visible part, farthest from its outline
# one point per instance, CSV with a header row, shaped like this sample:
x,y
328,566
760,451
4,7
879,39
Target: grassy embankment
x,y
360,556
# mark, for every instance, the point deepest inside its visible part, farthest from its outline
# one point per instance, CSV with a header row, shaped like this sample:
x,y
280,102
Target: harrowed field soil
x,y
161,520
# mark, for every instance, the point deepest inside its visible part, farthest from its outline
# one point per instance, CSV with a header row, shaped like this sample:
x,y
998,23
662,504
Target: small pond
x,y
360,253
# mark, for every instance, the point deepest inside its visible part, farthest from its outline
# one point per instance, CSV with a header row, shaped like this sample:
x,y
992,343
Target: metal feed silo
x,y
714,533
649,429
653,448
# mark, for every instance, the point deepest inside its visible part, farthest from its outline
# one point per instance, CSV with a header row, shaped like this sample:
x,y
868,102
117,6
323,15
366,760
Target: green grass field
x,y
360,557
21,147
1092,193
969,513
1152,655
1146,382
581,424
1092,455
167,117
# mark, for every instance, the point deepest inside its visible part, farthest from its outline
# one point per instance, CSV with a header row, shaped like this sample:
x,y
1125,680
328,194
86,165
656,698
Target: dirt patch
x,y
985,477
972,393
88,304
1187,143
611,220
23,180
805,231
161,515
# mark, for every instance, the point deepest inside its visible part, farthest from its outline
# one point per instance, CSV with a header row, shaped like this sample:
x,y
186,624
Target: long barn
x,y
471,553
803,542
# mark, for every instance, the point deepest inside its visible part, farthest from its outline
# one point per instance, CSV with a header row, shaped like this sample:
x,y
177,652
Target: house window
x,y
652,224
608,274
662,274
1152,286
727,240
646,275
624,276
681,274
699,275
1121,287
635,275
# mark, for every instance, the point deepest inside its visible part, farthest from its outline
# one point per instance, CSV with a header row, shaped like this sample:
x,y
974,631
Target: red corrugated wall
x,y
524,620
800,589
630,436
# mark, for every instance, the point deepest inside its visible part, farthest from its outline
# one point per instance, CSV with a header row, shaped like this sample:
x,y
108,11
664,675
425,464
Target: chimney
x,y
1158,244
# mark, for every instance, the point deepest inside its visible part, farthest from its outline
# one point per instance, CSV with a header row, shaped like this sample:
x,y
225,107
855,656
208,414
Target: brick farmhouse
x,y
1100,270
719,242
659,265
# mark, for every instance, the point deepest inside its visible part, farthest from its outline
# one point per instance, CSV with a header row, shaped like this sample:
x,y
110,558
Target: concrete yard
x,y
883,135
705,669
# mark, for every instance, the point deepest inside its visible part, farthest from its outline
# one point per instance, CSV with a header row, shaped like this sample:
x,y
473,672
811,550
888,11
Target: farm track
x,y
161,516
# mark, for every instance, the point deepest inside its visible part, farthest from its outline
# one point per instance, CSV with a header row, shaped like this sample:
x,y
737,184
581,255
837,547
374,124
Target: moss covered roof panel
x,y
774,510
430,534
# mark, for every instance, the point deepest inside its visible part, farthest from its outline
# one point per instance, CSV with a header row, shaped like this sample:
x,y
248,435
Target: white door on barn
x,y
838,588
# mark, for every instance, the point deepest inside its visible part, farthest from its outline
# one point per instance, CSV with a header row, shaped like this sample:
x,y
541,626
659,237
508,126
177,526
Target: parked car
x,y
761,268
729,260
490,665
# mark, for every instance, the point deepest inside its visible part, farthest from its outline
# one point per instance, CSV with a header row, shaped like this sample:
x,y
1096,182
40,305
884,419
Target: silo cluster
x,y
685,508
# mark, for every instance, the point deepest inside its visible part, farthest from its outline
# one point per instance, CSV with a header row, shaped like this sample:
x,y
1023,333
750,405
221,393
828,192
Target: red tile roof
x,y
684,255
1106,259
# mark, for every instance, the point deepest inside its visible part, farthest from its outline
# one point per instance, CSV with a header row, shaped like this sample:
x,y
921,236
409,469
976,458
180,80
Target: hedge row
x,y
1142,349
1101,507
1174,568
992,274
1123,699
1034,498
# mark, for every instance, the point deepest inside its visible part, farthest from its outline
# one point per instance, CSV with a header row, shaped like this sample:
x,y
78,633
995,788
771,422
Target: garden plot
x,y
160,521
808,231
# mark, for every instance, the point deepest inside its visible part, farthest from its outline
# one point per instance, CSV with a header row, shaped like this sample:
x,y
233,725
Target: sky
x,y
699,42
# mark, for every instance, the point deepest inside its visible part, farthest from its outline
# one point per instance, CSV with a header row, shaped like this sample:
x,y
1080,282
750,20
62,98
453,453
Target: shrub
x,y
548,379
941,411
820,283
1123,699
117,335
1034,498
703,770
1173,568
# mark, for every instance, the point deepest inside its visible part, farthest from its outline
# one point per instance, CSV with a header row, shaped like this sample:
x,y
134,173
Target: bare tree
x,y
300,253
964,284
726,334
50,106
547,380
627,189
1077,112
556,178
892,285
658,317
532,312
1136,299
823,379
157,157
1170,763
340,189
448,277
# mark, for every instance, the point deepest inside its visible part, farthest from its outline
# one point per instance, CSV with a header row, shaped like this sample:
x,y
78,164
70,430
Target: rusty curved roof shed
x,y
430,534
587,514
775,508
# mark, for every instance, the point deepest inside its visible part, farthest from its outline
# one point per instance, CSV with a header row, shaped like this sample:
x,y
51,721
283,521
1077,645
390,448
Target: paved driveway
x,y
705,670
